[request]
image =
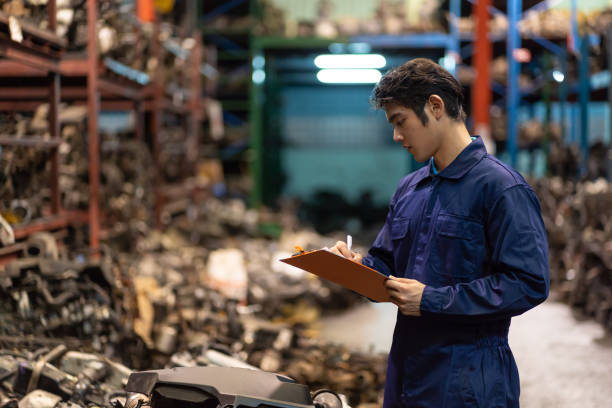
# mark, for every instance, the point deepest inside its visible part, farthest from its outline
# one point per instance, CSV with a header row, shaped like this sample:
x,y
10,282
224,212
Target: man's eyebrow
x,y
392,118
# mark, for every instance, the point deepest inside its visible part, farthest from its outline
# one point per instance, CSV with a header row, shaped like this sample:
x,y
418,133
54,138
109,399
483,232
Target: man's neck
x,y
453,143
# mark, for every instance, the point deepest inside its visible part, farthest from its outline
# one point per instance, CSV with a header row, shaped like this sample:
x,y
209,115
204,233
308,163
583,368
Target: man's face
x,y
408,130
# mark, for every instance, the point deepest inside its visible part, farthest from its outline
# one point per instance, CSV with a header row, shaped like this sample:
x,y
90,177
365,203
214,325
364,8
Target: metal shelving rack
x,y
91,82
511,92
100,86
158,102
41,50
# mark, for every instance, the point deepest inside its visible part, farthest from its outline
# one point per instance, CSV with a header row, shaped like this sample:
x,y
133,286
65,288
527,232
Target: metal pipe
x,y
54,132
94,149
156,122
196,95
54,127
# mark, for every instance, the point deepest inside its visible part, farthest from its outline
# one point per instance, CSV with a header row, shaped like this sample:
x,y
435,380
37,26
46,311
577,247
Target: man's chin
x,y
419,159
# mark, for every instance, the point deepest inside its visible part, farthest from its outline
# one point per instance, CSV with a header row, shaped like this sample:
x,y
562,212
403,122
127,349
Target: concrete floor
x,y
564,362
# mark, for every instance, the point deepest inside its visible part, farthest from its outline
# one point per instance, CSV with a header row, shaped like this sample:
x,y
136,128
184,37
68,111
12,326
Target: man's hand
x,y
406,294
341,249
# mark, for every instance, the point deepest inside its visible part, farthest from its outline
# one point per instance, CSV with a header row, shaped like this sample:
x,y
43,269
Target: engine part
x,y
218,387
41,244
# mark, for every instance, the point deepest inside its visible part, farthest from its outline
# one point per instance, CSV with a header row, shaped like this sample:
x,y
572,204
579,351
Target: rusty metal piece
x,y
36,370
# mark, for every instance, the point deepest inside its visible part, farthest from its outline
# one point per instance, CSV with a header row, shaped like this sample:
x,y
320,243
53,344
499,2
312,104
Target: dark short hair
x,y
412,83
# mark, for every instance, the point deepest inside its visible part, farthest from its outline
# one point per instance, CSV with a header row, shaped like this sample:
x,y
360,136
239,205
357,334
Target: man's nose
x,y
397,136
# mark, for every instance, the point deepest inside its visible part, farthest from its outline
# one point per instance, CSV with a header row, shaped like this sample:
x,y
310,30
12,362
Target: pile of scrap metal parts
x,y
47,299
58,378
579,226
170,307
126,189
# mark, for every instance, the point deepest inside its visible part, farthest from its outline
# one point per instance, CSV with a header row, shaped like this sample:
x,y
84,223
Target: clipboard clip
x,y
299,250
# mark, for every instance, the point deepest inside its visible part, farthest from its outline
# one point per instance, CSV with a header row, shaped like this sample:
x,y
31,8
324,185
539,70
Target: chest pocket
x,y
402,237
399,229
458,249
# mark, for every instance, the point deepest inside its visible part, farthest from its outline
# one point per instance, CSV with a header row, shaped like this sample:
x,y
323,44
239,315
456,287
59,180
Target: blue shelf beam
x,y
583,97
563,91
574,27
429,40
609,58
514,70
549,45
453,47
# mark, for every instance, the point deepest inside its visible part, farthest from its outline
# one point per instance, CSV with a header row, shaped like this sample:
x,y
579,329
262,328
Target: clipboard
x,y
356,277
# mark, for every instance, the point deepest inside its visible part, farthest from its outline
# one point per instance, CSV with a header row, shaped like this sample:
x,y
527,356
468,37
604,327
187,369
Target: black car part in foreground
x,y
222,387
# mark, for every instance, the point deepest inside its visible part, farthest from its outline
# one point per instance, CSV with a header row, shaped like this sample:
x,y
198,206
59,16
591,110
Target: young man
x,y
464,247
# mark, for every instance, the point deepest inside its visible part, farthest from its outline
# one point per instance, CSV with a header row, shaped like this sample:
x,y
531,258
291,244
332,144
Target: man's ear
x,y
436,105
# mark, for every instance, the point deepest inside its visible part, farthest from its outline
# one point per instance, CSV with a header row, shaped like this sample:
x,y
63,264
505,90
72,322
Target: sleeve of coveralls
x,y
519,278
380,255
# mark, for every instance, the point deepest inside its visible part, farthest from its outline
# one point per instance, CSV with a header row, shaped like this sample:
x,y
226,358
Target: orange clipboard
x,y
352,275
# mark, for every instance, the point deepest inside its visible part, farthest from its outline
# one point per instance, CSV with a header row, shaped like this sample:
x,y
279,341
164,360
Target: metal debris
x,y
158,310
579,226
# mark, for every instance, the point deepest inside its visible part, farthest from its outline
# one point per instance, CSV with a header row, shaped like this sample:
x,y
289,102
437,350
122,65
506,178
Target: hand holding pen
x,y
344,249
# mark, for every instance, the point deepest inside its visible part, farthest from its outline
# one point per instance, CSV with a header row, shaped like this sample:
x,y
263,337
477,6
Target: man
x,y
464,248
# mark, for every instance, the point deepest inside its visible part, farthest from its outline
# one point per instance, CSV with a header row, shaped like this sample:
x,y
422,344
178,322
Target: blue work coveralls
x,y
473,234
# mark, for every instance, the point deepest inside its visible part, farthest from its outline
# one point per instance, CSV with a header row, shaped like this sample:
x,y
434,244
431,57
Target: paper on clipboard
x,y
352,275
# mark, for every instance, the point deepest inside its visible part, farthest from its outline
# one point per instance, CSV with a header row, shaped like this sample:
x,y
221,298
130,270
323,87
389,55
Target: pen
x,y
349,242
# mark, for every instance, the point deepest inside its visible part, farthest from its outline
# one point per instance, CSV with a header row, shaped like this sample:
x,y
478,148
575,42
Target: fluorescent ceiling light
x,y
350,61
349,76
